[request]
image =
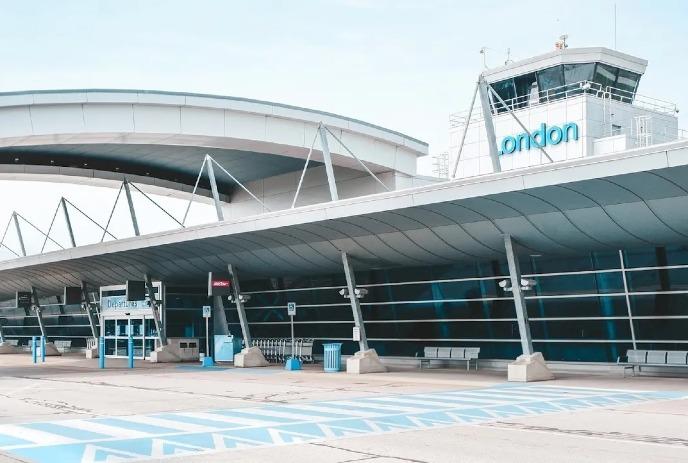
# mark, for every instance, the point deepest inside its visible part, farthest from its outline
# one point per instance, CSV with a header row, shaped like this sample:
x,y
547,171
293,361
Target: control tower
x,y
566,104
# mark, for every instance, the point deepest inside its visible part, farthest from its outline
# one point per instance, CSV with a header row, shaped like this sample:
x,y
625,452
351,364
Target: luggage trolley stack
x,y
278,350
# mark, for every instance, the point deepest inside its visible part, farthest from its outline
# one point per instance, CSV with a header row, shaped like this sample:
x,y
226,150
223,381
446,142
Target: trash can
x,y
332,357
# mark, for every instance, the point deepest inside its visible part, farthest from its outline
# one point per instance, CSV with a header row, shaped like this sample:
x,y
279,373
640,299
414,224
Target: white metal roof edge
x,y
638,160
158,97
567,56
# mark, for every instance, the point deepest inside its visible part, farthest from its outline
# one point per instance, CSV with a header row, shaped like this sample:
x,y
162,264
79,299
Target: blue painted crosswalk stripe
x,y
157,435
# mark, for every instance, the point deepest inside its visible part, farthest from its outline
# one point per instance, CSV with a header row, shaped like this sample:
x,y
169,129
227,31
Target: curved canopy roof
x,y
625,200
160,138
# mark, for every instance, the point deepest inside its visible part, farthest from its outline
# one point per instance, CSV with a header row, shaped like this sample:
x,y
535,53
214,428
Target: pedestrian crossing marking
x,y
156,435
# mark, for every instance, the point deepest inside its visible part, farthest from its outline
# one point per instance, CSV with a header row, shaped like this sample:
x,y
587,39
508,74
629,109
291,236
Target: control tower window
x,y
524,86
605,75
550,81
574,73
505,89
627,84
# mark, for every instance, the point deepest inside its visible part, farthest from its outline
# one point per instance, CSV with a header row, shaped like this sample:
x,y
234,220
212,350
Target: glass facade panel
x,y
645,257
610,330
676,255
586,283
668,329
674,279
438,310
314,313
583,352
442,330
606,306
648,305
182,323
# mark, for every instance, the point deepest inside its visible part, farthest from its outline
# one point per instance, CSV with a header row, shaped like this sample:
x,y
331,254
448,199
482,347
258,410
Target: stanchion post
x,y
101,352
131,351
43,349
293,363
207,358
34,349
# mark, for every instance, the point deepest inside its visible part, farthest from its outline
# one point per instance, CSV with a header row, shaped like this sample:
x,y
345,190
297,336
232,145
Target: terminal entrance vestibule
x,y
121,318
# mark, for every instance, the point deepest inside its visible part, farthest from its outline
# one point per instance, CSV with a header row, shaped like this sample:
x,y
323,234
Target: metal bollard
x,y
43,349
130,351
101,352
34,349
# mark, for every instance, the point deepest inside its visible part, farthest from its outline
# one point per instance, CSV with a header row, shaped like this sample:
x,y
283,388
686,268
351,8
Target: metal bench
x,y
653,358
451,354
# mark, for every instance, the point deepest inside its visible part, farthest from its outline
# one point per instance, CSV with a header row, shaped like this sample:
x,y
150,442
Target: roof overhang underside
x,y
626,200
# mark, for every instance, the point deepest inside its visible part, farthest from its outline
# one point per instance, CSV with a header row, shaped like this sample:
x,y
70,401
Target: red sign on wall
x,y
219,284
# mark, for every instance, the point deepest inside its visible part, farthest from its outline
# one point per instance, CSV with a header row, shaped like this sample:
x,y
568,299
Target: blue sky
x,y
401,64
398,63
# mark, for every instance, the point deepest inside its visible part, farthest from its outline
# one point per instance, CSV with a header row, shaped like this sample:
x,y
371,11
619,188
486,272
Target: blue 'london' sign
x,y
544,136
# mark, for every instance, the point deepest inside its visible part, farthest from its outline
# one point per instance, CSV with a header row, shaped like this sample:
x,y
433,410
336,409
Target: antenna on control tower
x,y
614,26
483,51
561,43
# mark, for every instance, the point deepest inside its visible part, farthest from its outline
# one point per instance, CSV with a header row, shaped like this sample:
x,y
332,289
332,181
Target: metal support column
x,y
219,316
39,312
489,124
327,159
213,188
155,308
628,298
465,131
19,233
519,300
355,303
86,304
236,290
132,211
68,222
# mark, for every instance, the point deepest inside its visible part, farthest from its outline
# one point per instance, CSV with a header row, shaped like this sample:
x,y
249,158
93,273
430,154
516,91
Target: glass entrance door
x,y
116,332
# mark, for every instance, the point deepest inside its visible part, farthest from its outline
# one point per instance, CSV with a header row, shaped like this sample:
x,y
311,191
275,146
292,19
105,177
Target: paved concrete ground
x,y
68,410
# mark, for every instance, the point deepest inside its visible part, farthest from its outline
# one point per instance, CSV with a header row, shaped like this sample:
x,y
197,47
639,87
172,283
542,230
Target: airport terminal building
x,y
562,230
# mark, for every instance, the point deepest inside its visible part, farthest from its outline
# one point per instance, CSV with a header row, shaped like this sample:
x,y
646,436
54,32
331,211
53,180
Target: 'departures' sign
x,y
120,302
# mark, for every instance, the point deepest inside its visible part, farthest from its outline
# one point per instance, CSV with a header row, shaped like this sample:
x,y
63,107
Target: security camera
x,y
360,292
527,284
